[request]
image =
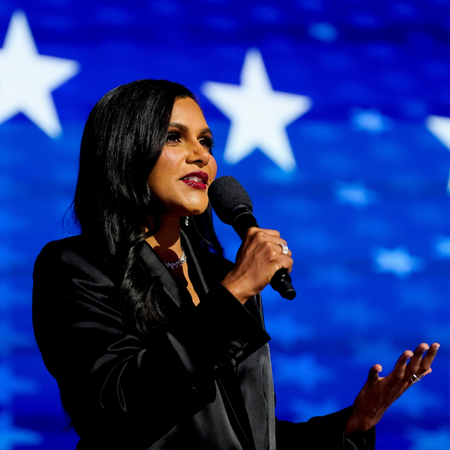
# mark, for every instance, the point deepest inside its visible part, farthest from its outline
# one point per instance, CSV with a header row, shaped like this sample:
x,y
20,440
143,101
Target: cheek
x,y
165,165
168,161
213,168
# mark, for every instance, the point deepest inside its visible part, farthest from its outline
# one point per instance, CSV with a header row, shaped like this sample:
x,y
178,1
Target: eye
x,y
173,136
207,142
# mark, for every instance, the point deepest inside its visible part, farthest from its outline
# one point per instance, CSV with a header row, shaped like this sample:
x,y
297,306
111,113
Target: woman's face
x,y
186,167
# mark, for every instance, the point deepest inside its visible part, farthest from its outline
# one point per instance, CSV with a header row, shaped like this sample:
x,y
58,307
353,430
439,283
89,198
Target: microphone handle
x,y
281,280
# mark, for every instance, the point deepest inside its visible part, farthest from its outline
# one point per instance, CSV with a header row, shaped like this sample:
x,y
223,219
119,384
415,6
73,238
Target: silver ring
x,y
284,248
415,378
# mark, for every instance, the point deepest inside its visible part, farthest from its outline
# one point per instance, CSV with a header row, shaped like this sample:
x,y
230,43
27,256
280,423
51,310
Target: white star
x,y
355,194
397,261
10,436
27,78
442,247
258,114
440,127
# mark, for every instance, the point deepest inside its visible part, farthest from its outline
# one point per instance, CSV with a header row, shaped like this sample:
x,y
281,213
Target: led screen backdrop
x,y
335,116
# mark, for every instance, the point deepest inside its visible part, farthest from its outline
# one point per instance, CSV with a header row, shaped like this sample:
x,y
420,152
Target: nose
x,y
199,155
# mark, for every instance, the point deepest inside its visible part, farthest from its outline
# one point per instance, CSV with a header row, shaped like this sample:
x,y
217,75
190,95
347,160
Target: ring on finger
x,y
415,378
284,248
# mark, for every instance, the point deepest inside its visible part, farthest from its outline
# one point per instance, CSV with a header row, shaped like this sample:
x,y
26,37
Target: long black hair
x,y
122,141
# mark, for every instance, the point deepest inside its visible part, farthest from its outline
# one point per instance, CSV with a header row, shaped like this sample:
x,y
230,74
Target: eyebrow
x,y
186,129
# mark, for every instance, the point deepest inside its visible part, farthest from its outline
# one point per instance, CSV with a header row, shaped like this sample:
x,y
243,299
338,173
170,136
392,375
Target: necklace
x,y
179,262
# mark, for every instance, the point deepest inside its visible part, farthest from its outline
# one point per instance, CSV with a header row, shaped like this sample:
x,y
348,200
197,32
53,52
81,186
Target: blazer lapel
x,y
156,267
195,271
214,267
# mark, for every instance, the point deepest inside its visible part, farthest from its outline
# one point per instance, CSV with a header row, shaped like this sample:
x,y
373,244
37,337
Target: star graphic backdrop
x,y
333,114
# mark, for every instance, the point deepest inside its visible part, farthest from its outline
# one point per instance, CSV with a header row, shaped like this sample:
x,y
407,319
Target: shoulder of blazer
x,y
72,253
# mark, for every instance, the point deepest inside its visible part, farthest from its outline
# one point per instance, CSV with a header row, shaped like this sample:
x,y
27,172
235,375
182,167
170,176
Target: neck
x,y
166,242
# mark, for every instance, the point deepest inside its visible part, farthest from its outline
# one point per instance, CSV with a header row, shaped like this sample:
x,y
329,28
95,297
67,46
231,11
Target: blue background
x,y
365,210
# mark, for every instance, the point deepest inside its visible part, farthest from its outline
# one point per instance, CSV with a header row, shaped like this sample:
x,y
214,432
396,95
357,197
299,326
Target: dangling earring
x,y
186,221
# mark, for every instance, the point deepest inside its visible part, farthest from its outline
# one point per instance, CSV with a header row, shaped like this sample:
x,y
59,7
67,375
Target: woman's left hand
x,y
379,393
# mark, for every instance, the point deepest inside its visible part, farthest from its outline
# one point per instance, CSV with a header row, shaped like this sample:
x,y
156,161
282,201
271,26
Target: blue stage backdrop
x,y
333,114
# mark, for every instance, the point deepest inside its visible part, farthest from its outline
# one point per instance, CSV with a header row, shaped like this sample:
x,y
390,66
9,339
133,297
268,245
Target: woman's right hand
x,y
259,257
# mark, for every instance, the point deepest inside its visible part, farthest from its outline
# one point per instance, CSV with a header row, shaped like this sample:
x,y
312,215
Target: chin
x,y
195,210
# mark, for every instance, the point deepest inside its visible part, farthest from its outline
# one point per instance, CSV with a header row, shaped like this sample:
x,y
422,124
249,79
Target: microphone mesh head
x,y
225,194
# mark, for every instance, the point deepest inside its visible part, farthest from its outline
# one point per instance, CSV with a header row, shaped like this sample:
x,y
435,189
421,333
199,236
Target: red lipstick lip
x,y
195,184
199,174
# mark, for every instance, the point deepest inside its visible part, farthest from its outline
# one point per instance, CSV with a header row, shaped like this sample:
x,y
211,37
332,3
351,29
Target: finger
x,y
402,362
279,245
267,237
289,268
374,373
284,262
425,373
273,236
272,245
400,367
415,362
282,247
429,358
269,232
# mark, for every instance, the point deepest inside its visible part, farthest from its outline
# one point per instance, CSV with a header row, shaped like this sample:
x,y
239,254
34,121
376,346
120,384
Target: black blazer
x,y
201,381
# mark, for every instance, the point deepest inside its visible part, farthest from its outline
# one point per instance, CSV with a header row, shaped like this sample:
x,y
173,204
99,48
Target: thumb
x,y
374,373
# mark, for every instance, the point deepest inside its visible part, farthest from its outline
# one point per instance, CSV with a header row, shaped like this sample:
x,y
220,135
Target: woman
x,y
156,341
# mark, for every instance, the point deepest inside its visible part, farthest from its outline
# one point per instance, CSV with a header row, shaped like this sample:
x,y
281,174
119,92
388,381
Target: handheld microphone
x,y
233,206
